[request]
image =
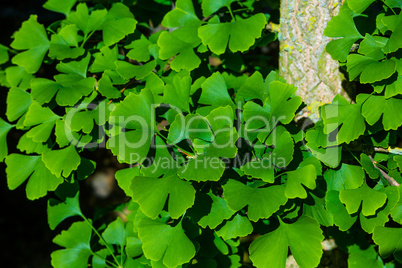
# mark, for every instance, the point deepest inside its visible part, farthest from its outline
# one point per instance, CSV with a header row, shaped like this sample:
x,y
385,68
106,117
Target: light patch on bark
x,y
303,60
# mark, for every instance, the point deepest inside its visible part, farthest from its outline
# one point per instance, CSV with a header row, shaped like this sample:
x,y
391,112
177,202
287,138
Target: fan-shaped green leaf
x,y
210,6
59,210
341,113
395,41
118,23
261,202
302,176
340,215
165,243
182,14
369,69
32,38
18,101
382,216
87,23
302,237
77,248
64,44
346,177
219,212
368,198
375,106
60,6
20,167
240,34
136,115
4,129
152,193
239,226
389,241
343,27
63,161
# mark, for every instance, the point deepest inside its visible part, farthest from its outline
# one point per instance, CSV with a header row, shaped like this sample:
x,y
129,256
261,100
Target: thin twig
x,y
390,180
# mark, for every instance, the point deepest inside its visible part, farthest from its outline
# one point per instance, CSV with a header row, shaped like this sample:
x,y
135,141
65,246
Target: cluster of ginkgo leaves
x,y
214,155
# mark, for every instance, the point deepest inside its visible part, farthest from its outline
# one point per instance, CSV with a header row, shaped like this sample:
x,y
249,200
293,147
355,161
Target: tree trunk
x,y
303,60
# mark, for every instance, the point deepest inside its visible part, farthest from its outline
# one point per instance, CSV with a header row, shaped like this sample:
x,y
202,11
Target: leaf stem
x,y
101,238
231,13
358,160
178,148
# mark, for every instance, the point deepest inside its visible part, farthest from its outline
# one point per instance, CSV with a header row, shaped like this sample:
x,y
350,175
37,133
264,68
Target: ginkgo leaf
x,y
128,70
179,45
240,34
317,210
63,161
133,145
372,46
369,199
369,69
60,6
165,243
373,107
139,49
18,101
280,105
369,223
17,76
283,151
239,226
43,119
124,178
152,193
4,57
341,113
358,6
369,167
340,215
261,202
116,233
396,212
395,41
345,177
178,94
214,92
85,21
211,6
255,87
205,167
302,237
76,241
4,129
29,146
302,176
389,241
41,180
182,14
219,212
64,44
260,168
363,257
118,23
32,38
69,87
58,210
342,27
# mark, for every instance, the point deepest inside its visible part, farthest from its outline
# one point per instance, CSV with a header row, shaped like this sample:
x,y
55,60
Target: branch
x,y
390,180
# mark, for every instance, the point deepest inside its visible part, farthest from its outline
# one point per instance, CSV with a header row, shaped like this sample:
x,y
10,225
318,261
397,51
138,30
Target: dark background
x,y
25,236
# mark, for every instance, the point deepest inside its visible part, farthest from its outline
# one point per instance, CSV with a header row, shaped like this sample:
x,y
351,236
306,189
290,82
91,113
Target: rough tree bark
x,y
303,60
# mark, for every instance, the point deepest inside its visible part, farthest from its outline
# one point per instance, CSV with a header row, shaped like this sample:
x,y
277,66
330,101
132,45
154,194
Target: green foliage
x,y
209,148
